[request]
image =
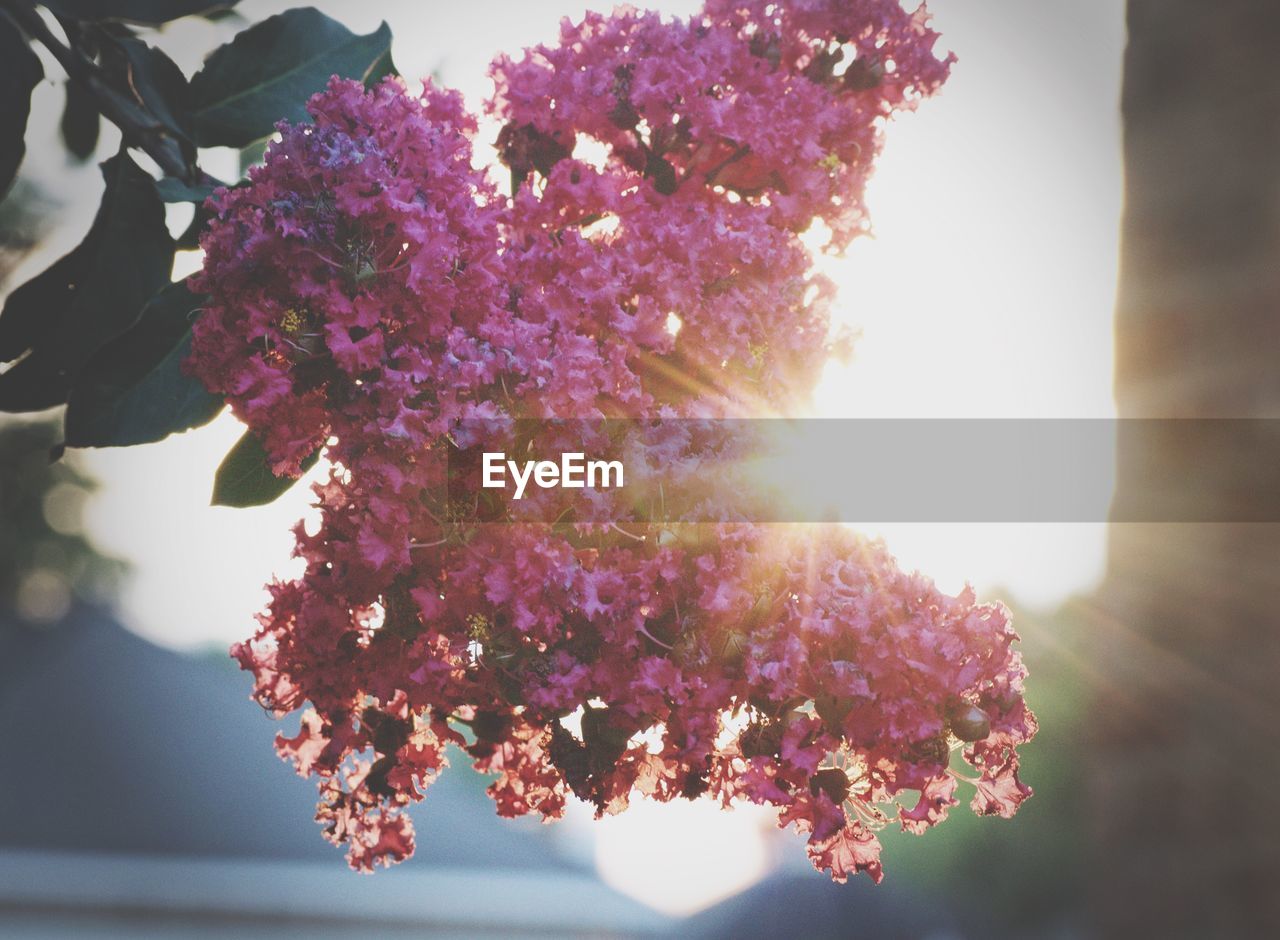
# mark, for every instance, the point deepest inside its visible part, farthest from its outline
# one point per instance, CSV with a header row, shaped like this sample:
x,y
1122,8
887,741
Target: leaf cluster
x,y
104,330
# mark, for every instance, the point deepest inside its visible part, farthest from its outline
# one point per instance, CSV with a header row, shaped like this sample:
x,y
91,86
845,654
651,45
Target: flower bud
x,y
832,781
969,722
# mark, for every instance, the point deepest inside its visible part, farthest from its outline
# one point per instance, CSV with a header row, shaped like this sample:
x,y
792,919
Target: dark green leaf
x,y
268,72
245,479
20,72
149,78
175,190
155,79
133,391
66,314
31,311
80,121
381,69
148,12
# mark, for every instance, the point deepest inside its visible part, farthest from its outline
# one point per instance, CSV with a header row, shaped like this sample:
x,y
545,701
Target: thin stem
x,y
645,631
621,531
413,545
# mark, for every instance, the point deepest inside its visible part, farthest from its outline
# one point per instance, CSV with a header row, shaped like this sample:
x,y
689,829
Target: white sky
x,y
987,292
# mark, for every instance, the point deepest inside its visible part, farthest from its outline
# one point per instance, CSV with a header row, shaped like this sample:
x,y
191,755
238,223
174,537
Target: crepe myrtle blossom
x,y
371,293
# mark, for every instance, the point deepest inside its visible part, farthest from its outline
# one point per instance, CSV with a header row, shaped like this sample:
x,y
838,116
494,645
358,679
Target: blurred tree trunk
x,y
1187,753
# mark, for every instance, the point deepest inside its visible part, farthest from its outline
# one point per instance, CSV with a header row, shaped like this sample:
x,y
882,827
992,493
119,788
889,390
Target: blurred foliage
x,y
24,221
46,563
103,330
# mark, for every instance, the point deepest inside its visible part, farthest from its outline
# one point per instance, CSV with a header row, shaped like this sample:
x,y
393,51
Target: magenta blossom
x,y
371,293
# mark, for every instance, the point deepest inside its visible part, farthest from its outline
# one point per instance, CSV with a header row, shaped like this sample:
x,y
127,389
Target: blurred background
x,y
1053,168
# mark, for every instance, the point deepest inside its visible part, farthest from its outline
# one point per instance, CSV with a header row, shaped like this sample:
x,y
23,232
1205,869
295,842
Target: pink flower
x,y
371,293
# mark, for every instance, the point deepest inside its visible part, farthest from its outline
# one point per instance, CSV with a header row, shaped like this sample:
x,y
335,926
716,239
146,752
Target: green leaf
x,y
245,479
147,12
20,72
64,315
80,122
151,77
31,312
267,73
133,391
380,69
171,189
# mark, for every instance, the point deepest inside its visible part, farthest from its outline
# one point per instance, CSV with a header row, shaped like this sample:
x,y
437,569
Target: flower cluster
x,y
372,294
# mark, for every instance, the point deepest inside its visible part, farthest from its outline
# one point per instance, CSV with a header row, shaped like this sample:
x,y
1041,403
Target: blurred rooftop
x,y
146,799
